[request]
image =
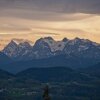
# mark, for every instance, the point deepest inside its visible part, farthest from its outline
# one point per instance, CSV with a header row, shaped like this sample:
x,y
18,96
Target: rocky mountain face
x,y
43,48
47,52
18,51
48,47
4,59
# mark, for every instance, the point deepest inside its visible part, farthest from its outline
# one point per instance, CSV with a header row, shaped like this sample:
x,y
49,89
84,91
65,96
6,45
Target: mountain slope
x,y
5,75
18,51
60,60
55,74
36,63
92,70
4,59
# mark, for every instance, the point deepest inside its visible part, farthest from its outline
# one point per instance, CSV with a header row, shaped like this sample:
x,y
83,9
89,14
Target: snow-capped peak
x,y
21,41
47,47
64,40
78,41
55,45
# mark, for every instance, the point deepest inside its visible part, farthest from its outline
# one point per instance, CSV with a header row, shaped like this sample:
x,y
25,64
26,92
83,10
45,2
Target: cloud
x,y
43,16
65,6
50,24
56,18
13,28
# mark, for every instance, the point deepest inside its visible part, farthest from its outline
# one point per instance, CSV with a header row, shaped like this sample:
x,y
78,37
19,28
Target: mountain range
x,y
70,67
46,52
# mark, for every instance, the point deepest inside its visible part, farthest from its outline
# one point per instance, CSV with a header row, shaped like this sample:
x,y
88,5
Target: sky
x,y
33,19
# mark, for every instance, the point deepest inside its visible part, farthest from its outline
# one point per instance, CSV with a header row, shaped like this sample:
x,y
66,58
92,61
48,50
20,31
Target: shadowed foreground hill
x,y
92,70
60,60
19,66
64,83
5,75
55,74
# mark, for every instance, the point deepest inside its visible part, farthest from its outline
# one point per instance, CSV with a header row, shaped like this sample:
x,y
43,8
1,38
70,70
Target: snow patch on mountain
x,y
48,47
18,41
55,45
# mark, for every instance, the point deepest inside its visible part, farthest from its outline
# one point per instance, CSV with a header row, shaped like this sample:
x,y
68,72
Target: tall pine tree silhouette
x,y
46,93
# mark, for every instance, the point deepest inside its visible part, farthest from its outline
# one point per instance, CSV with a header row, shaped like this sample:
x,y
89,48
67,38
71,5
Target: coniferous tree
x,y
46,93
